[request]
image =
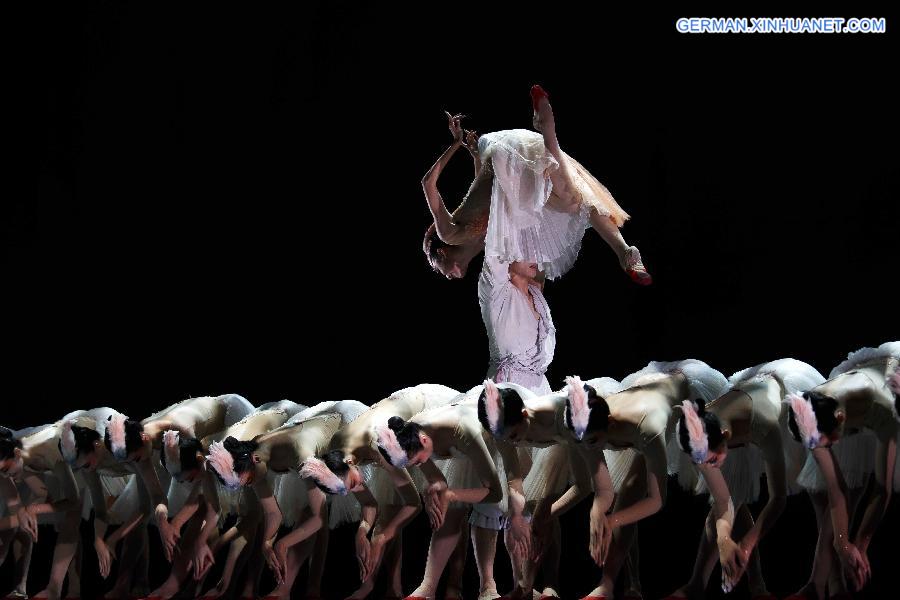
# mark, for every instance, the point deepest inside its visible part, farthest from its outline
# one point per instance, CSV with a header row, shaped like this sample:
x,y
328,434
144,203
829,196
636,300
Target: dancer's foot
x,y
540,104
633,265
16,595
601,592
549,594
488,594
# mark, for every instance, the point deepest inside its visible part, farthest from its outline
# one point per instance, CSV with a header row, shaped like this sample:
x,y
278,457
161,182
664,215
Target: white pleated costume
x,y
520,226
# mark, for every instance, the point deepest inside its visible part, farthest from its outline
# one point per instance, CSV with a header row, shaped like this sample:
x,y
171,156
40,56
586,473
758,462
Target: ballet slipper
x,y
419,598
16,596
635,268
537,92
490,594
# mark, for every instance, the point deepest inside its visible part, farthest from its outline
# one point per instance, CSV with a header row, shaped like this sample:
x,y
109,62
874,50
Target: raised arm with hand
x,y
447,230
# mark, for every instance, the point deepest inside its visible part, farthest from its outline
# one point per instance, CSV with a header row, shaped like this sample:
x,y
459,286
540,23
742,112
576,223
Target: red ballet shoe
x,y
635,268
537,92
417,598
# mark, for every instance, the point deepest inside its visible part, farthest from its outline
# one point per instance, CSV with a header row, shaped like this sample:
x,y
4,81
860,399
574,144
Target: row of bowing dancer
x,y
497,457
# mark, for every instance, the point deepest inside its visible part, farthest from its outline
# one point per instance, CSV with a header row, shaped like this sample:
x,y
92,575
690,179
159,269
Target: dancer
x,y
18,527
546,423
472,474
748,422
354,464
639,429
529,202
134,443
849,424
35,462
257,520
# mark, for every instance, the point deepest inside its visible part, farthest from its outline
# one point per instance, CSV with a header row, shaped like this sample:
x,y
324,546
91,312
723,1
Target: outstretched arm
x,y
447,230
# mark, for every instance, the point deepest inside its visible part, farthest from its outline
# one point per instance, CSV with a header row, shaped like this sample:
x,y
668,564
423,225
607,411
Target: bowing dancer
x,y
18,527
739,433
387,495
546,423
637,426
477,470
530,202
850,425
137,444
185,461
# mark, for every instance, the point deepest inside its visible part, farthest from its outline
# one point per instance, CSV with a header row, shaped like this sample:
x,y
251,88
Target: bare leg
x,y
457,565
22,547
254,567
317,560
632,569
180,567
393,561
63,553
485,543
443,542
757,583
74,572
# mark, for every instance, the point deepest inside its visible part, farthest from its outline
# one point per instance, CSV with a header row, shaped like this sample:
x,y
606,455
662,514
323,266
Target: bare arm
x,y
776,477
70,500
443,220
885,460
655,456
312,524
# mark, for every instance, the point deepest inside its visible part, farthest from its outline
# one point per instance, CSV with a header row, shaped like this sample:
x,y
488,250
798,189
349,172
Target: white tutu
x,y
549,474
292,496
236,408
865,355
619,463
742,470
288,406
113,486
855,454
795,376
705,382
520,228
460,474
348,409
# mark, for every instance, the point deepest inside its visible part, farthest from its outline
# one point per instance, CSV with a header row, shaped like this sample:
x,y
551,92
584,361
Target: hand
x,y
854,566
540,533
520,536
732,562
600,536
202,560
456,129
281,551
27,522
436,503
379,541
271,557
105,557
471,142
363,548
169,536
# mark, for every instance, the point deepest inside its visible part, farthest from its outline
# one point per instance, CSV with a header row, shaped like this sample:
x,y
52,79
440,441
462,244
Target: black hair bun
x,y
6,433
396,424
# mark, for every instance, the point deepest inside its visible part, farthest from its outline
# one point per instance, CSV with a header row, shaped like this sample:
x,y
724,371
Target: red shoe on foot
x,y
635,268
537,92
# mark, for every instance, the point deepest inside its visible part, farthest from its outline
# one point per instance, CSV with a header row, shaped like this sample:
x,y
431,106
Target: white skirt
x,y
460,474
549,475
855,454
520,227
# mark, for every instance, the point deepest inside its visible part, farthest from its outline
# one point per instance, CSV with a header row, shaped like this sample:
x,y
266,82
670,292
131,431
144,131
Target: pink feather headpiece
x,y
116,430
492,405
315,469
170,448
893,381
806,420
387,439
67,442
578,406
222,461
699,441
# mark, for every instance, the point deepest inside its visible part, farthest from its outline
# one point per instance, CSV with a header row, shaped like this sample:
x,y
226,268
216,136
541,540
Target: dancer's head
x,y
182,456
700,434
815,419
10,453
502,412
526,270
334,473
403,443
125,438
80,443
587,413
233,461
449,261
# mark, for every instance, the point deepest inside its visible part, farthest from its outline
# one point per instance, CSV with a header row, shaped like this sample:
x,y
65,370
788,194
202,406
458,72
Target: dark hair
x,y
8,443
241,452
599,417
823,406
432,244
133,431
334,460
711,424
510,403
84,439
407,436
188,448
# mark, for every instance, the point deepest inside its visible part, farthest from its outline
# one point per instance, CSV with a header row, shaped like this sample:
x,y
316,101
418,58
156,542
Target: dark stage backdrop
x,y
228,200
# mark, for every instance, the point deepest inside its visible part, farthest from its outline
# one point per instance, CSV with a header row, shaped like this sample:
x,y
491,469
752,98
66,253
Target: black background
x,y
228,200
